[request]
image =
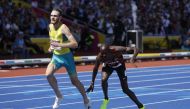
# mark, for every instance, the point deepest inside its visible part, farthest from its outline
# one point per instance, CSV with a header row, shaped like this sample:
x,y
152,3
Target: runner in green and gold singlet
x,y
61,56
61,40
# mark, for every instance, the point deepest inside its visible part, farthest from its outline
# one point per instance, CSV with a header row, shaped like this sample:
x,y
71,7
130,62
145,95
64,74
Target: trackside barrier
x,y
91,58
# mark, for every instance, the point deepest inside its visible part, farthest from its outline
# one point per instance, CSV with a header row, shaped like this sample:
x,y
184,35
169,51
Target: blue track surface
x,y
157,87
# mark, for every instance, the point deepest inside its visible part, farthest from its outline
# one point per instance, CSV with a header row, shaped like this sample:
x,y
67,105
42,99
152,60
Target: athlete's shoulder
x,y
63,25
50,25
65,29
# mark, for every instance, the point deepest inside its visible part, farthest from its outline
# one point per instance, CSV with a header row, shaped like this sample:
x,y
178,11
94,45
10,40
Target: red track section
x,y
41,71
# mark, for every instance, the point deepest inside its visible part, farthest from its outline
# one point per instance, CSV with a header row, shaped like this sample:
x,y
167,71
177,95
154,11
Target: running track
x,y
164,87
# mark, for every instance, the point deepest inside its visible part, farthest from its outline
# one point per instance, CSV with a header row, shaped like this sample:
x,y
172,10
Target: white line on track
x,y
112,78
71,87
128,72
152,103
151,86
148,94
174,66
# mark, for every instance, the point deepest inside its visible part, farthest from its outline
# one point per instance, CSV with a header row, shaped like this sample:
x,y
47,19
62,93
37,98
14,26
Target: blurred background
x,y
160,25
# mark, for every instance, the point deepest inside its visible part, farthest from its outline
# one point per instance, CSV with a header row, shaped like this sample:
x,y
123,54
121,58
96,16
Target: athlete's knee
x,y
50,70
124,79
75,81
104,80
127,91
49,75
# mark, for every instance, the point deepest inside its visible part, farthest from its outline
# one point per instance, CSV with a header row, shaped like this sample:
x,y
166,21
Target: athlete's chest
x,y
111,56
57,35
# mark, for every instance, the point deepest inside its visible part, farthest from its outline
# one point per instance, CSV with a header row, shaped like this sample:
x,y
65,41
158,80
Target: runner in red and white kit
x,y
112,59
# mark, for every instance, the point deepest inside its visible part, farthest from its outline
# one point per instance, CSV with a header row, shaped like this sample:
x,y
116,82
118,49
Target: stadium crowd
x,y
112,17
17,24
153,15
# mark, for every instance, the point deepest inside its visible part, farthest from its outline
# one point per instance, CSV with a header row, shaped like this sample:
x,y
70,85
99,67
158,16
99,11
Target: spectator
x,y
119,31
5,44
186,41
19,48
109,25
34,48
42,22
85,33
76,31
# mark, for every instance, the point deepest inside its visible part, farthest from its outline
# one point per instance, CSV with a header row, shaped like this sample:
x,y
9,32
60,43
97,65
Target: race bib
x,y
54,47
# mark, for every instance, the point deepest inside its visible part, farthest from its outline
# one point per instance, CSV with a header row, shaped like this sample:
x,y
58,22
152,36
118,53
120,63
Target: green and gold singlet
x,y
58,36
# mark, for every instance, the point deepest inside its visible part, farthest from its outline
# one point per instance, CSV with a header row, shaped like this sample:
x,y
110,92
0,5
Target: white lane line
x,y
152,103
89,75
148,94
110,91
143,68
112,78
71,87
